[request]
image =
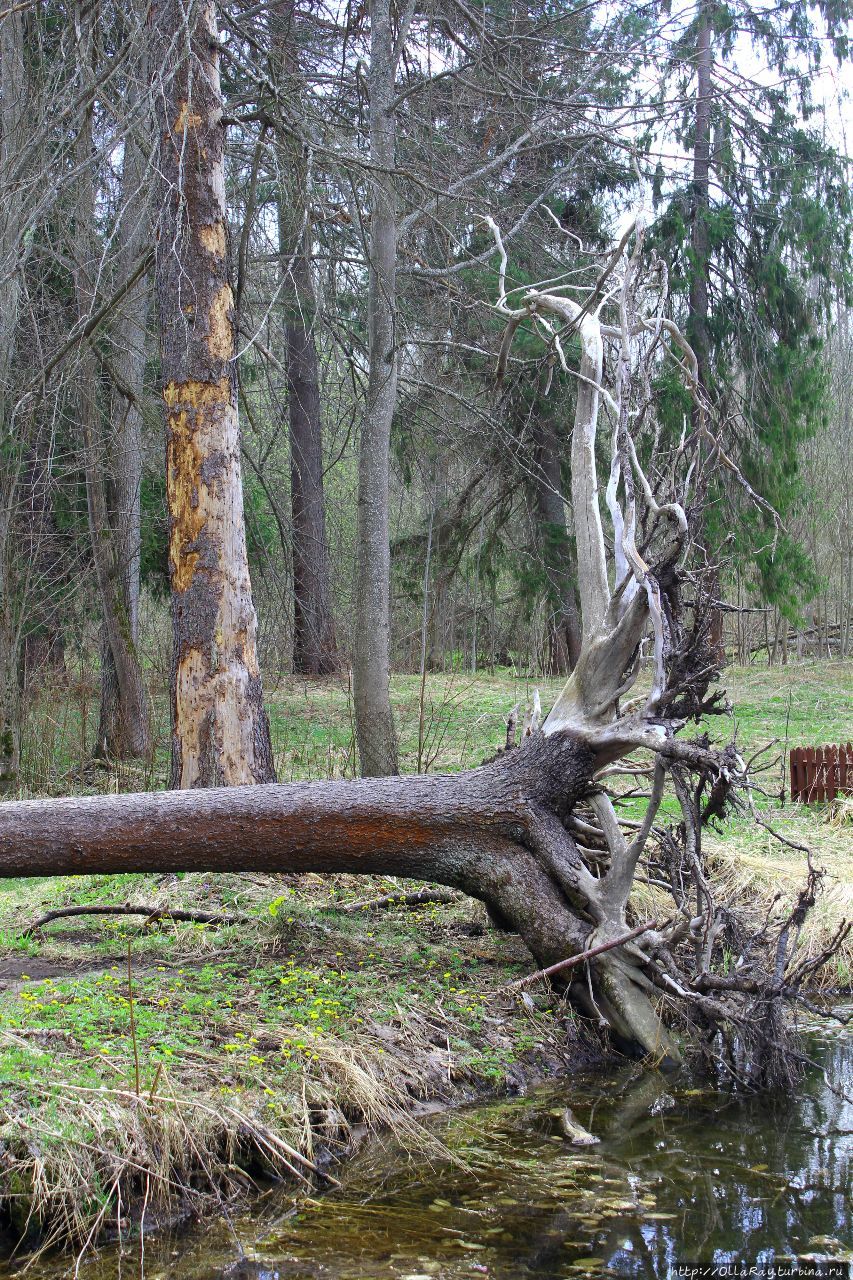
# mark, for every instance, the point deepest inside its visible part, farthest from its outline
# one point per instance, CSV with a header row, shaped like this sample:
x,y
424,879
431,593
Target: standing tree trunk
x,y
132,700
124,731
374,719
220,731
315,651
15,104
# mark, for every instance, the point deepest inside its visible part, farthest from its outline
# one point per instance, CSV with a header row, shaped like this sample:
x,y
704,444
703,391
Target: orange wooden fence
x,y
821,773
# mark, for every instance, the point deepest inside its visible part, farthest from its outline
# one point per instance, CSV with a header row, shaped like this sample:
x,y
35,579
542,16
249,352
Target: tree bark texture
x,y
374,719
15,101
220,732
132,700
315,651
123,731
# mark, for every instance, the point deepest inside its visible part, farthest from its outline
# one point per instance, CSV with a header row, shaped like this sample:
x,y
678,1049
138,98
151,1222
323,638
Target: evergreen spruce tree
x,y
756,230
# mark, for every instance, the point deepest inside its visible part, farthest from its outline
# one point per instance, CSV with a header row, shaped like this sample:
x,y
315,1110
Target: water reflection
x,y
680,1175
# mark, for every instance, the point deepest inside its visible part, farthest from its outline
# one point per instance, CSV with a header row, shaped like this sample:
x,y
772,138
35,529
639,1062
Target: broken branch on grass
x,y
152,914
417,898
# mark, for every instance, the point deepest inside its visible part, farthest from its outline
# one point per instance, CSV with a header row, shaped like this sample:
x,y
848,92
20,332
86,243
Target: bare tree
x,y
374,719
125,730
14,96
315,651
220,732
131,708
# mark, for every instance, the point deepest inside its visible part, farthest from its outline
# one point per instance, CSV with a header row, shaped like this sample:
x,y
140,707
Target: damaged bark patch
x,y
244,651
186,119
191,405
220,333
212,239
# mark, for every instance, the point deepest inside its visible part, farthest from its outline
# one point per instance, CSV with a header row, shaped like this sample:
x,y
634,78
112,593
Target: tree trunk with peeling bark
x,y
220,732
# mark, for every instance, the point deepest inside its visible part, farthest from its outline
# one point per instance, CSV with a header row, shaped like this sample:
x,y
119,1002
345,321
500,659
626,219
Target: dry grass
x,y
839,812
751,868
79,1160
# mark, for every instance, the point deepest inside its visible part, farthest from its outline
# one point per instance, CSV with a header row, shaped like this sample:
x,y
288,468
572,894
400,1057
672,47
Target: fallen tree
x,y
535,833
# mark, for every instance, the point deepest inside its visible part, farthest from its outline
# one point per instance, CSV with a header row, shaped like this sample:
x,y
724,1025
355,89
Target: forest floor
x,y
165,1062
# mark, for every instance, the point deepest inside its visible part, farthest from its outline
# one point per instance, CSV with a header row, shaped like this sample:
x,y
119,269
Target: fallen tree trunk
x,y
495,833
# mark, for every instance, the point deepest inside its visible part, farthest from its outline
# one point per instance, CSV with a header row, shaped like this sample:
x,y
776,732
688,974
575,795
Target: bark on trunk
x,y
315,651
124,731
564,638
374,719
15,104
10,697
220,732
472,831
132,701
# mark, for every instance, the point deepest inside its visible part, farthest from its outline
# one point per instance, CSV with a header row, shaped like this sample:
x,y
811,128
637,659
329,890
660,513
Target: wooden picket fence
x,y
821,773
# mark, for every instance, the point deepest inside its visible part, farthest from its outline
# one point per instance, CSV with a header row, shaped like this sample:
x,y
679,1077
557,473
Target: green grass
x,y
301,1013
808,705
464,721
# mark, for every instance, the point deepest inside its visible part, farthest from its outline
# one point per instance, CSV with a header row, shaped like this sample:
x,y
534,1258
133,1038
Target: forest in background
x,y
346,226
367,369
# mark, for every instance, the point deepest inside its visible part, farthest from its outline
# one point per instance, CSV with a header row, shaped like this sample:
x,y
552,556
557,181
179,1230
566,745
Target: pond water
x,y
680,1176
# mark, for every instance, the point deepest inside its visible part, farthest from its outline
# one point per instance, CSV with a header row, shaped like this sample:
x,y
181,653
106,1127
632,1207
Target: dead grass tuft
x,y
839,812
750,869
